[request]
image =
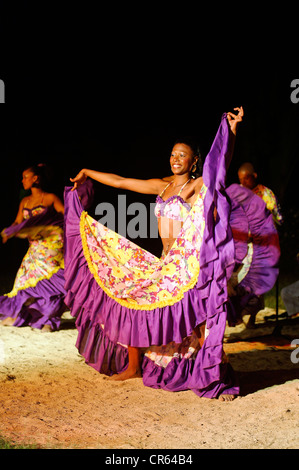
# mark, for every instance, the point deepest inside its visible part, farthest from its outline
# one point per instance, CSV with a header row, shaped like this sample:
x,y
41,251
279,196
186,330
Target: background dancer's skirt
x,y
37,297
257,250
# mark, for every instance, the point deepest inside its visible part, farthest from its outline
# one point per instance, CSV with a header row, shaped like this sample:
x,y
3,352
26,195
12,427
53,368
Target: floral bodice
x,y
174,208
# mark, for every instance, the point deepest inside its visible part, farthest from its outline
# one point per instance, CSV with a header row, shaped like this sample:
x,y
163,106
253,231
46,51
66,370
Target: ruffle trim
x,y
108,357
32,283
37,306
89,303
253,225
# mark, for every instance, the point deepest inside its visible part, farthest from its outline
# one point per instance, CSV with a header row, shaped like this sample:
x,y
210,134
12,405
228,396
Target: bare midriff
x,y
168,230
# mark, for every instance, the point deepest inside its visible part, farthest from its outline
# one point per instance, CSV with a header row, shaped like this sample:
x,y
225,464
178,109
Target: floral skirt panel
x,y
43,259
136,278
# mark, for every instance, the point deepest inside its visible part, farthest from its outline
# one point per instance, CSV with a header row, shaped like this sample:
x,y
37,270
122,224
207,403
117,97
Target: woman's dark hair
x,y
43,173
193,144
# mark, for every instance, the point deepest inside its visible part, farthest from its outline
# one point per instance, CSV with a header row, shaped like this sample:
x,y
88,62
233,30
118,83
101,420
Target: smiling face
x,y
182,159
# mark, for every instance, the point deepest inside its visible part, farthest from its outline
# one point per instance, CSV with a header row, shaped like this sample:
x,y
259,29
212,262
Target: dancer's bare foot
x,y
47,329
225,397
8,321
126,375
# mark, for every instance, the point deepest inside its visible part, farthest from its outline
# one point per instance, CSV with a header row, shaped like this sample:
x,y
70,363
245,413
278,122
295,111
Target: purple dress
x,y
122,295
257,251
37,297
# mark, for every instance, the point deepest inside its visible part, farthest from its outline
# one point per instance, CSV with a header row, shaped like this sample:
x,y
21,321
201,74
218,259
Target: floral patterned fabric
x,y
37,297
163,355
136,278
27,213
133,276
174,208
271,202
44,256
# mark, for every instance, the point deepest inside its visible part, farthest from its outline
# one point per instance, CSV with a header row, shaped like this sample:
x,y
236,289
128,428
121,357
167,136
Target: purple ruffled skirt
x,y
257,251
37,306
106,322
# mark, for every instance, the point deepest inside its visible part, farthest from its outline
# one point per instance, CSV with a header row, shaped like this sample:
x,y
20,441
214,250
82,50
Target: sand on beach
x,y
51,398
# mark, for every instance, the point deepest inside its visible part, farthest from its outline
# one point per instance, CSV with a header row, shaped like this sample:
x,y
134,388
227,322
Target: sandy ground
x,y
50,397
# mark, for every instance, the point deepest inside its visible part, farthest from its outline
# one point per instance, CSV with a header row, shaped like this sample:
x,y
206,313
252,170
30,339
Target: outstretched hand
x,y
235,119
4,238
78,180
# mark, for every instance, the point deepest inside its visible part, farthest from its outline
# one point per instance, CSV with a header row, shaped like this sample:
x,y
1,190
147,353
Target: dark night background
x,y
118,105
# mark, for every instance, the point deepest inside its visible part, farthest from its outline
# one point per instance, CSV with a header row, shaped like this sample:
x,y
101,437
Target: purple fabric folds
x,y
251,222
37,306
48,217
41,304
105,327
250,215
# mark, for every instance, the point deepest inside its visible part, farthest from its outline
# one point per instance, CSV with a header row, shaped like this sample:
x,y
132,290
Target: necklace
x,y
183,184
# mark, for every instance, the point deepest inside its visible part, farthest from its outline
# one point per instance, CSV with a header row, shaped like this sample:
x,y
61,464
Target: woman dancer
x,y
37,297
127,302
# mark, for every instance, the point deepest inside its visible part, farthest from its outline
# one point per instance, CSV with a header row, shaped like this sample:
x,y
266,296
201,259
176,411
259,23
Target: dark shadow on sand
x,y
253,381
67,324
277,347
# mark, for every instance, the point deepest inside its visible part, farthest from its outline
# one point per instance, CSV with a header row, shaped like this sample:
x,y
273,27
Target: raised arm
x,y
235,119
151,186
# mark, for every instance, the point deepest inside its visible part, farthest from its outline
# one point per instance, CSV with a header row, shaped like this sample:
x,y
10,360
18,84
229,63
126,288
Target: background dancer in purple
x,y
256,239
128,304
257,254
37,297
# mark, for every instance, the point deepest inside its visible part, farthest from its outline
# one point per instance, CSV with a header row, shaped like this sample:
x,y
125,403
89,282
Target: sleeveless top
x,y
27,212
174,207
